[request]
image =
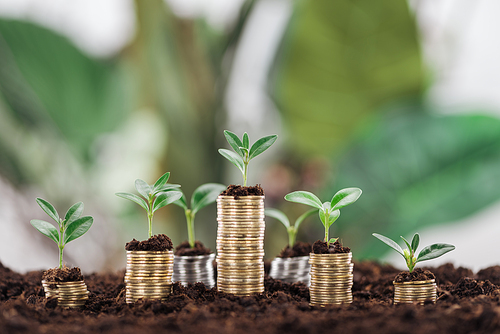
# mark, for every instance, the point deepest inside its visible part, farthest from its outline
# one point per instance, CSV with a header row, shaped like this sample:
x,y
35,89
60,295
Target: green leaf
x,y
167,187
49,209
205,195
161,181
134,198
234,158
332,240
244,151
234,141
345,197
279,215
73,213
331,218
389,243
46,229
143,188
434,251
77,228
182,202
261,145
414,242
303,217
246,141
165,199
407,244
305,197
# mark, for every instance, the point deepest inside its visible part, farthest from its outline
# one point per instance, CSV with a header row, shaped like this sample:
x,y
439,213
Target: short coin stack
x,y
69,294
193,269
415,292
291,269
148,275
240,245
331,278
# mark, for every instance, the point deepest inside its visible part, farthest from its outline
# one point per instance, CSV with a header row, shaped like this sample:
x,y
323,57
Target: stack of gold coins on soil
x,y
331,278
69,294
240,244
415,292
148,275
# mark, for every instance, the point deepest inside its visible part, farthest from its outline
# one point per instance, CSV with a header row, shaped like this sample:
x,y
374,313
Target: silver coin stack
x,y
415,292
193,269
291,269
331,279
240,245
69,294
148,275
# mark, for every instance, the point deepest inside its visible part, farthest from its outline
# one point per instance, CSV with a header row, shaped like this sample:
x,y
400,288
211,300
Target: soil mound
x,y
184,249
62,275
321,247
299,249
157,243
417,274
238,191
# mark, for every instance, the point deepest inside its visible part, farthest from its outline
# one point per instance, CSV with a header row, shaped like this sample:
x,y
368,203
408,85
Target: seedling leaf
x,y
161,182
434,251
246,141
165,199
73,213
414,242
389,243
49,209
234,158
205,195
407,243
143,188
46,229
345,197
234,141
304,197
332,240
134,198
279,215
182,202
78,228
331,218
261,145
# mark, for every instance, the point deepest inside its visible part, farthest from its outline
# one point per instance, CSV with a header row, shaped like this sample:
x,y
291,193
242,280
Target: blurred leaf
x,y
205,195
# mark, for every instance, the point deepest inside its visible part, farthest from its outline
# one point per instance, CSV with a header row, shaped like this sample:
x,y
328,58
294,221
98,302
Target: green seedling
x,y
329,212
243,153
428,253
154,196
203,195
291,229
71,227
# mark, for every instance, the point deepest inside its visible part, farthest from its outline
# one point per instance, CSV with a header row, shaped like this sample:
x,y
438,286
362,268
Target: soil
x,y
299,249
418,274
157,243
238,191
321,247
184,249
469,305
62,275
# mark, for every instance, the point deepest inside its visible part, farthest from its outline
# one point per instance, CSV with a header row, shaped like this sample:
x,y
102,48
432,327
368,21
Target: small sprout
x,y
71,227
203,195
428,253
155,196
245,153
329,212
291,229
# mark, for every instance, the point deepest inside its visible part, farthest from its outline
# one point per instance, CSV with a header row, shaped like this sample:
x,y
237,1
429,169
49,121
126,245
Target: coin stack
x,y
69,294
148,275
291,269
331,279
240,245
192,269
415,292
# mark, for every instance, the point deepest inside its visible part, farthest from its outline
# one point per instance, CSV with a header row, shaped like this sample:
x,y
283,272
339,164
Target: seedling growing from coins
x,y
428,253
154,196
71,227
291,229
203,195
243,153
329,212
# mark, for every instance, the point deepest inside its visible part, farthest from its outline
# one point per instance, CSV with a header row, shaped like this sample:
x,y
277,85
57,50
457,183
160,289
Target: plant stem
x,y
190,226
292,233
61,256
150,216
245,174
61,245
327,218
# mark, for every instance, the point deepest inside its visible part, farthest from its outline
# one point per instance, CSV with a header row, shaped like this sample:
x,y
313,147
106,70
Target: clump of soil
x,y
299,249
469,287
62,275
156,243
322,247
416,275
184,249
447,273
238,191
491,273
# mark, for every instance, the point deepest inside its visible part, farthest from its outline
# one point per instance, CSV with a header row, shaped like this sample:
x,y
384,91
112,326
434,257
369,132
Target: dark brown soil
x,y
62,275
238,191
418,274
184,249
299,249
471,305
491,273
156,243
321,247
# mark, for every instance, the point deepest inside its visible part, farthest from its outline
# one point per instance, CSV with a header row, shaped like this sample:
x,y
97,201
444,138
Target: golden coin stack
x,y
331,278
69,294
148,275
240,245
415,292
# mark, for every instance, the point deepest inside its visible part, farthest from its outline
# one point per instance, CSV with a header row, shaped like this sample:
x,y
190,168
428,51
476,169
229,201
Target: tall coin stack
x,y
415,292
331,278
69,294
193,269
240,245
148,275
291,269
